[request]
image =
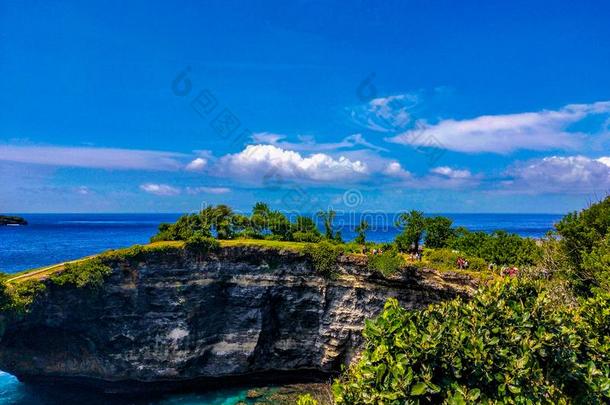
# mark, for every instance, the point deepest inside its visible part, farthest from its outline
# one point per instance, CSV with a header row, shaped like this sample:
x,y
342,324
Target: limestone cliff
x,y
172,318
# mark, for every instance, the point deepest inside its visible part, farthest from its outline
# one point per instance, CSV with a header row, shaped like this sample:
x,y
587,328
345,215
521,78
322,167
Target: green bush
x,y
446,259
306,236
16,298
510,344
584,238
88,273
323,256
500,247
201,245
306,399
386,263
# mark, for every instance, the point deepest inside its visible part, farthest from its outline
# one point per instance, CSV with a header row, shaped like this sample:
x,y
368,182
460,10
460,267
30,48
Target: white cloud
x,y
309,144
258,162
159,189
543,130
207,190
83,190
604,160
451,173
570,174
197,164
386,114
395,170
97,158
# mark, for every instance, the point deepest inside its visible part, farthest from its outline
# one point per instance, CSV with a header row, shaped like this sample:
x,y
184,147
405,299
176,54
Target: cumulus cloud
x,y
395,170
160,189
257,162
207,190
197,164
88,157
543,130
569,174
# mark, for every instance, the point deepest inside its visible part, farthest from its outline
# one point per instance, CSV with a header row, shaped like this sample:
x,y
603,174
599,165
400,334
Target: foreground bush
x,y
508,345
201,245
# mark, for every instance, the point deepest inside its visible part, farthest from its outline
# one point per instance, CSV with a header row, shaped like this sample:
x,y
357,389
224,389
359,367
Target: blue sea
x,y
53,238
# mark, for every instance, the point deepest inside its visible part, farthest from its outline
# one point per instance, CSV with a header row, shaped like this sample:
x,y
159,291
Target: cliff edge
x,y
171,318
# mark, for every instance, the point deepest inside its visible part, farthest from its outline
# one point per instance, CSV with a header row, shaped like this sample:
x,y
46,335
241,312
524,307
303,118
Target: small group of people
x,y
509,271
377,251
462,263
416,256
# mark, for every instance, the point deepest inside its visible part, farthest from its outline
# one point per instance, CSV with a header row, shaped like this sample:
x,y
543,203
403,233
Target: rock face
x,y
242,312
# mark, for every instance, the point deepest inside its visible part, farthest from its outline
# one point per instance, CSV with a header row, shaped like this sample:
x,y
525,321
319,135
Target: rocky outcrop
x,y
242,312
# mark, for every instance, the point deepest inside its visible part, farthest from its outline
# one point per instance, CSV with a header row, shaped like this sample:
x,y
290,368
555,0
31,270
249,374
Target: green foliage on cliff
x,y
446,259
500,247
16,298
524,340
509,344
306,399
88,273
201,245
324,257
386,263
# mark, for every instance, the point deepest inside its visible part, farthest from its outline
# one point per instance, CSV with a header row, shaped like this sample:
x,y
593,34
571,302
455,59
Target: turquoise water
x,y
15,393
53,238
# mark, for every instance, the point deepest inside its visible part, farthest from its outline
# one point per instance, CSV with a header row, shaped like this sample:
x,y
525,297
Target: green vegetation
x,y
438,232
324,257
413,225
446,259
509,344
499,247
542,337
87,273
361,232
201,245
386,263
584,240
306,399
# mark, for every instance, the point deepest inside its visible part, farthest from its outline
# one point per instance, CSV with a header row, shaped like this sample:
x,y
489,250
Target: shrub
x,y
201,245
17,298
446,259
386,263
584,237
87,273
323,257
306,399
500,247
510,344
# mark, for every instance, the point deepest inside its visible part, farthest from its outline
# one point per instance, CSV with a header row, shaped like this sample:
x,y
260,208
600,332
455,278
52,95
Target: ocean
x,y
53,238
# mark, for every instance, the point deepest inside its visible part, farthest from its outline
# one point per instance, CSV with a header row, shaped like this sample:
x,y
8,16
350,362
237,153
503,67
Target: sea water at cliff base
x,y
53,238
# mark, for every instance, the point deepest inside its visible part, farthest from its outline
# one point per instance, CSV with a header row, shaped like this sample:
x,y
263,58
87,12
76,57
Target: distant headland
x,y
6,220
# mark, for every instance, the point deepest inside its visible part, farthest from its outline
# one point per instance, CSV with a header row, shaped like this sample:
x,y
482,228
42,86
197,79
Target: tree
x,y
413,224
361,231
438,232
328,217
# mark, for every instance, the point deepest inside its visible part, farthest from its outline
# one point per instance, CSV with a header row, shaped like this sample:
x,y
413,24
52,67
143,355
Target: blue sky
x,y
435,105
